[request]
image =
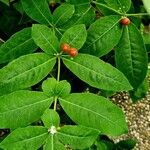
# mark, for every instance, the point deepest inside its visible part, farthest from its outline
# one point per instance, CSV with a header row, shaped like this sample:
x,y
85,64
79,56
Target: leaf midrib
x,y
121,6
63,14
77,35
13,49
24,140
41,13
94,71
104,33
24,106
82,15
104,5
8,80
88,110
130,52
73,136
48,42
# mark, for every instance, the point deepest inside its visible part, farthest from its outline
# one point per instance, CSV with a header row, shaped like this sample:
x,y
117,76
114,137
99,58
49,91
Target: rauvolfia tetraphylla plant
x,y
58,42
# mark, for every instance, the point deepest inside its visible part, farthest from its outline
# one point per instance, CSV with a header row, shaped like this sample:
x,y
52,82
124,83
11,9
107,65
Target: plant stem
x,y
58,73
1,40
123,14
58,31
139,14
55,103
58,78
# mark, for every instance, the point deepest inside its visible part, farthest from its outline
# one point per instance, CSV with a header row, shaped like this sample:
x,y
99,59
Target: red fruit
x,y
65,47
125,21
73,52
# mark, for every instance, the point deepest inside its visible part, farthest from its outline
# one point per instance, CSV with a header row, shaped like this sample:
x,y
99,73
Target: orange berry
x,y
65,47
125,21
73,52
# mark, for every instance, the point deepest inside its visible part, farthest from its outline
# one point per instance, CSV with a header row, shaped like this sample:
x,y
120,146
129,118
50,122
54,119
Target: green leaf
x,y
146,37
105,145
147,5
119,5
5,2
102,6
48,86
106,93
51,87
45,38
51,2
38,10
63,88
96,112
104,30
75,36
78,2
131,56
128,144
21,108
52,143
62,14
50,118
140,92
25,72
30,138
19,8
97,73
19,44
84,14
101,146
77,137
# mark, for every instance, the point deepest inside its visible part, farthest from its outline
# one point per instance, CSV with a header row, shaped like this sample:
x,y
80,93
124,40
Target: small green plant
x,y
63,41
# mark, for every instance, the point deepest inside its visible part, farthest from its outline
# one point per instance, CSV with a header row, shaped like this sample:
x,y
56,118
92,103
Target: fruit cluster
x,y
73,52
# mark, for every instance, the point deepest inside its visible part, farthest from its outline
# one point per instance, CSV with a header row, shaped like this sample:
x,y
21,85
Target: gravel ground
x,y
138,119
